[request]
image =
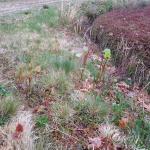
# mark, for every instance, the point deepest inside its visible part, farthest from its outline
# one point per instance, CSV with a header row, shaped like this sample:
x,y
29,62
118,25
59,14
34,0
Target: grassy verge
x,y
76,100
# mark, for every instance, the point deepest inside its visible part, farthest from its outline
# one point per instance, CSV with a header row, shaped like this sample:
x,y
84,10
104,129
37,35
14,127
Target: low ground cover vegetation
x,y
58,93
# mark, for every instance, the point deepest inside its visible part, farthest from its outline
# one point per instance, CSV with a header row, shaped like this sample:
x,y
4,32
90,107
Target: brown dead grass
x,y
127,33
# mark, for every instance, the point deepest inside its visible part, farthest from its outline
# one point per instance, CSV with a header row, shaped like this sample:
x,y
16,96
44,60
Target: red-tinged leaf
x,y
19,128
123,123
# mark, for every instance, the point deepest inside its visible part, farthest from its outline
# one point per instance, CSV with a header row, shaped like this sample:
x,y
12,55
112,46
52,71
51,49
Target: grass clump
x,y
62,113
63,84
49,17
67,65
44,59
139,135
8,107
58,81
61,60
91,110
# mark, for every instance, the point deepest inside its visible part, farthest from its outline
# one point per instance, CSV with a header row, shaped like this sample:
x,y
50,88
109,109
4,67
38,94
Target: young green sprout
x,y
107,54
107,57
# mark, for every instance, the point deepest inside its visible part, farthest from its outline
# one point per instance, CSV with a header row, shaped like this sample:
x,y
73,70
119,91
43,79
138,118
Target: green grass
x,y
3,120
43,59
68,65
93,70
41,121
91,110
4,91
139,135
37,20
49,17
8,28
8,106
57,80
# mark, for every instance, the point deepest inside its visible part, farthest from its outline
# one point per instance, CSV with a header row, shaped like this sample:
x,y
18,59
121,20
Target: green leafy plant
x,y
107,54
119,107
4,91
139,134
3,120
42,121
98,66
103,65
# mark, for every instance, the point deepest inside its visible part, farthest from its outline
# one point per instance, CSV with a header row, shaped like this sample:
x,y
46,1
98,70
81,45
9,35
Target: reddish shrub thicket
x,y
130,26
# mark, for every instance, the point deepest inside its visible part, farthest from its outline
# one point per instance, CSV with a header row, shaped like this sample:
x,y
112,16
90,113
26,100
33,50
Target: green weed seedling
x,y
140,133
119,107
42,121
107,57
3,120
4,91
107,54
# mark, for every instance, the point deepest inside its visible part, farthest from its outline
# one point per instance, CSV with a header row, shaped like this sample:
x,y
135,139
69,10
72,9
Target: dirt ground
x,y
8,7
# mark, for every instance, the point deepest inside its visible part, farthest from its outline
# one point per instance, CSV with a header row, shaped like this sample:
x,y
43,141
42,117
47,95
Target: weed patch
x,y
42,121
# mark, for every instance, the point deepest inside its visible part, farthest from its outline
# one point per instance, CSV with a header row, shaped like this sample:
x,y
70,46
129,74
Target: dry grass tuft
x,y
22,139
